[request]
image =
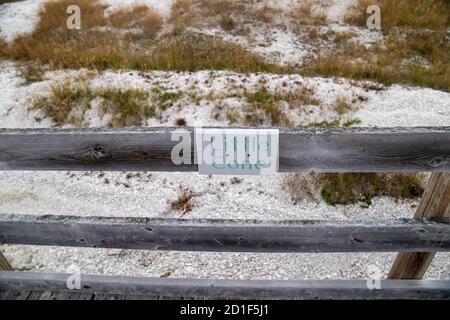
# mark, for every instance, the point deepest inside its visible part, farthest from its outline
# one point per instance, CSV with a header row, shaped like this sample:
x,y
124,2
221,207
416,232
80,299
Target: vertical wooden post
x,y
4,264
435,204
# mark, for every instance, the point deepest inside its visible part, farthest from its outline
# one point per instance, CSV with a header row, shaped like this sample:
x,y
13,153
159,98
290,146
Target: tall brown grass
x,y
53,16
430,14
52,43
409,57
93,47
192,52
140,16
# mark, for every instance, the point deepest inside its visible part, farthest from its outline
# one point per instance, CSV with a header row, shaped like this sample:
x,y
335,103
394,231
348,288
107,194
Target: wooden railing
x,y
306,149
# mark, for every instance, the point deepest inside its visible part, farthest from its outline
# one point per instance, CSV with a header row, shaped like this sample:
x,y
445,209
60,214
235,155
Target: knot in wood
x,y
436,162
98,153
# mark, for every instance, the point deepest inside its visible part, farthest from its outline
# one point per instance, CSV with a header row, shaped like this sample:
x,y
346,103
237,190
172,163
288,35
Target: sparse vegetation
x,y
343,36
68,103
184,201
326,124
304,13
342,106
350,188
181,122
347,188
127,107
3,47
409,57
52,43
335,123
63,102
32,72
97,48
351,122
164,99
139,16
430,14
416,57
231,15
264,106
193,52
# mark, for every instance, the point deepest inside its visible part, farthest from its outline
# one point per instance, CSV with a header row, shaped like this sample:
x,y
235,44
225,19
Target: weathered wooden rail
x,y
306,149
306,289
227,235
303,149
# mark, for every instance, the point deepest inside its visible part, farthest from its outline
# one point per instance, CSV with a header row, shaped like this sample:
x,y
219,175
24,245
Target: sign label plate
x,y
226,151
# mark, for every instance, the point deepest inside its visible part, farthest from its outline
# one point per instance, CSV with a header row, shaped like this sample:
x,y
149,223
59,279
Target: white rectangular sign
x,y
237,151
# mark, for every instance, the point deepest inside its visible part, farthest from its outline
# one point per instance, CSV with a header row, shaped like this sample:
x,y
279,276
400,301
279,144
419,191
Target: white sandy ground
x,y
148,194
391,106
337,10
19,17
162,6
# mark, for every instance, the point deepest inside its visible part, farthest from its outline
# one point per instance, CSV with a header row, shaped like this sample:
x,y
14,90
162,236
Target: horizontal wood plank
x,y
226,235
302,149
299,289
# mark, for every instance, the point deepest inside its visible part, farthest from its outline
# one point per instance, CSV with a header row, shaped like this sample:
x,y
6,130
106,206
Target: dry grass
x,y
3,48
181,122
140,16
342,106
184,201
265,107
410,57
198,13
349,188
165,99
62,103
95,48
194,52
52,43
68,103
415,57
231,15
429,14
343,36
32,72
303,13
127,107
53,16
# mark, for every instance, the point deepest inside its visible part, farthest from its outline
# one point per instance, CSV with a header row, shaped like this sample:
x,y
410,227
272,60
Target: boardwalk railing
x,y
319,150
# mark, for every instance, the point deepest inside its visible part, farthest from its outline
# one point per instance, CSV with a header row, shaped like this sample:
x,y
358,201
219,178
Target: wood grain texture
x,y
300,289
435,203
4,264
226,235
301,149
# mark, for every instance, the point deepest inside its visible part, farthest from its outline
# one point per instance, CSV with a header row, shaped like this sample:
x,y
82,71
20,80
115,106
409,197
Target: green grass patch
x,y
351,188
67,104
